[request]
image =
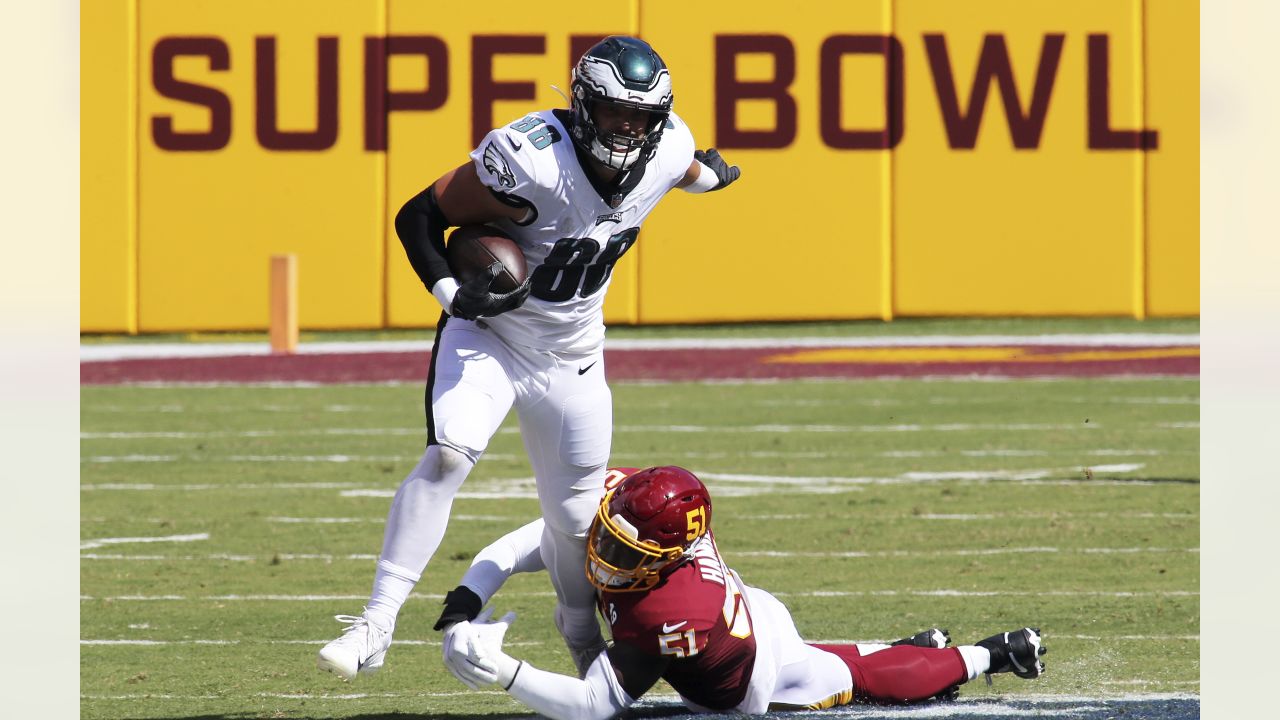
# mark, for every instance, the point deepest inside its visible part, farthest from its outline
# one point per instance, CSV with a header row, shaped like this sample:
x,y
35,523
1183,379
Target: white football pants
x,y
566,420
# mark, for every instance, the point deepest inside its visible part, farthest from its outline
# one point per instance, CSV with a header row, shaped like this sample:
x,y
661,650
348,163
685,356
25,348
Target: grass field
x,y
872,508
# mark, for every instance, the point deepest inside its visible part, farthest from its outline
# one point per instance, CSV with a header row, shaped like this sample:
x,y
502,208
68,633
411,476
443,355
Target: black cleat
x,y
1016,651
931,638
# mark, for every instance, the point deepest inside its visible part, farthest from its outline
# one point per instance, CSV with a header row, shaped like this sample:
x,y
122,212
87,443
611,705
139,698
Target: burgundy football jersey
x,y
696,616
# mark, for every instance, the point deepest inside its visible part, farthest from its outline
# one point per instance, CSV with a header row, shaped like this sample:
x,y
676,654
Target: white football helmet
x,y
623,71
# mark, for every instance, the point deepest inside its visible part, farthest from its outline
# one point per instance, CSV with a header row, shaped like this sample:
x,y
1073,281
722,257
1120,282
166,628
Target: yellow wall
x,y
108,167
1173,173
1050,230
821,226
210,220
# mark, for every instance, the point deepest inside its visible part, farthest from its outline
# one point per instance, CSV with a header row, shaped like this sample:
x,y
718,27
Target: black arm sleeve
x,y
421,225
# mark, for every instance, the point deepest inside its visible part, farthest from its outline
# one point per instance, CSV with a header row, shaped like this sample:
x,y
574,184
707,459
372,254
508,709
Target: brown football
x,y
472,248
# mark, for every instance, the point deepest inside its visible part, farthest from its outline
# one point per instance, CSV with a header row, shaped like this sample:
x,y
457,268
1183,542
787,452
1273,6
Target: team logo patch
x,y
496,164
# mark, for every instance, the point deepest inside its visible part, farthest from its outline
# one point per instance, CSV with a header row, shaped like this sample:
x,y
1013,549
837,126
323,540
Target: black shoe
x,y
931,638
1016,651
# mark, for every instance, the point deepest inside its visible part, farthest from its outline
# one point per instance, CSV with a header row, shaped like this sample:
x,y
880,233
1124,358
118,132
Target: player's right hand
x,y
473,650
475,299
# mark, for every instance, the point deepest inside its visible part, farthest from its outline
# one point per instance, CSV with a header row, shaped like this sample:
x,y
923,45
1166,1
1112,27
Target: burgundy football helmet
x,y
646,524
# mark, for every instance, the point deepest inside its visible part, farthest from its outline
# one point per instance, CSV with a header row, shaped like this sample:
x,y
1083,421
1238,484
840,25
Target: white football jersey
x,y
575,235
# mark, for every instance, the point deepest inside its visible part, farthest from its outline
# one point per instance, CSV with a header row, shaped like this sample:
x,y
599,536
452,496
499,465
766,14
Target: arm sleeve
x,y
516,552
597,696
421,225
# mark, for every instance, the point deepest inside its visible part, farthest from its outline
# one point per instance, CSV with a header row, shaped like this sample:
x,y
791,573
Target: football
x,y
472,248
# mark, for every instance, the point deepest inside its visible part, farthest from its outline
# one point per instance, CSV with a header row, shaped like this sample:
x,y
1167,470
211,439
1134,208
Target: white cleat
x,y
360,650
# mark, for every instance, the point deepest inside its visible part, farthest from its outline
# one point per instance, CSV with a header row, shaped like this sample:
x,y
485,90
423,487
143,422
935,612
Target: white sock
x,y
416,523
977,660
868,648
391,587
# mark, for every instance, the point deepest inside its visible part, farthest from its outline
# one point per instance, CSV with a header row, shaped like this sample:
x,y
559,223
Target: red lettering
x,y
484,89
380,101
1101,136
729,90
993,65
270,136
830,91
219,105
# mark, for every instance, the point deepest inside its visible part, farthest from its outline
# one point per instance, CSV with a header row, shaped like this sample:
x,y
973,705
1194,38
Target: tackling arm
x,y
515,552
613,682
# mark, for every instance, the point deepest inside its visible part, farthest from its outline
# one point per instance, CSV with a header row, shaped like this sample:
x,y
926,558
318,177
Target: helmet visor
x,y
617,562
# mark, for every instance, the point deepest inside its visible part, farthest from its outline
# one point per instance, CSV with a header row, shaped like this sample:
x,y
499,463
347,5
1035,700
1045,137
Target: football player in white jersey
x,y
572,187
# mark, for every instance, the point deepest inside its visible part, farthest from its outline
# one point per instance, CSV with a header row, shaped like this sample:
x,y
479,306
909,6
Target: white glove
x,y
473,651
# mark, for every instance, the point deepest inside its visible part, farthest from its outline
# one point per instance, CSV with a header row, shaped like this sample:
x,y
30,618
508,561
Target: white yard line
x,y
737,484
646,429
100,542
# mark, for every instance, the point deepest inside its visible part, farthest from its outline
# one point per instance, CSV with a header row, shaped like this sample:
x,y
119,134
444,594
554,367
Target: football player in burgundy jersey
x,y
678,612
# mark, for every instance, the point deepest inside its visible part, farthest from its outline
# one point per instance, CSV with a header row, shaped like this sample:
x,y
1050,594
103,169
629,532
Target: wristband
x,y
707,180
514,675
444,290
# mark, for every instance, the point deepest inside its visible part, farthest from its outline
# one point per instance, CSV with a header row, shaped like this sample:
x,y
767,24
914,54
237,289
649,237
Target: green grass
x,y
1098,479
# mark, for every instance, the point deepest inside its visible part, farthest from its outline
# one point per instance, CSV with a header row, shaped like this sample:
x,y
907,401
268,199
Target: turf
x,y
872,508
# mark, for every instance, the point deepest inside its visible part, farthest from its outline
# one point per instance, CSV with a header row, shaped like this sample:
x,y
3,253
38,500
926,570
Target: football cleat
x,y
360,650
931,638
1016,651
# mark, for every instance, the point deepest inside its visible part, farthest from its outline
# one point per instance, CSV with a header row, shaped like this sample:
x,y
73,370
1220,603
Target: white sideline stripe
x,y
734,382
97,353
90,544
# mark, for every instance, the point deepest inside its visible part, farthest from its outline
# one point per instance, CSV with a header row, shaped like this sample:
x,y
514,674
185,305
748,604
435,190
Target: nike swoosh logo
x,y
515,145
672,628
583,371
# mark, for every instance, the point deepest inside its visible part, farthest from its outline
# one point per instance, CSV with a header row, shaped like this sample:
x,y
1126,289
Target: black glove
x,y
474,298
460,603
724,171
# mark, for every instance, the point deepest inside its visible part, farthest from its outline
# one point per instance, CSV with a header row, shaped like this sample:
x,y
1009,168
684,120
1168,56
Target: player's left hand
x,y
473,649
725,172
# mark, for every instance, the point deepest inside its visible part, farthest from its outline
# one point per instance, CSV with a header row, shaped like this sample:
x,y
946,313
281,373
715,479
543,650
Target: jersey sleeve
x,y
505,165
678,146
